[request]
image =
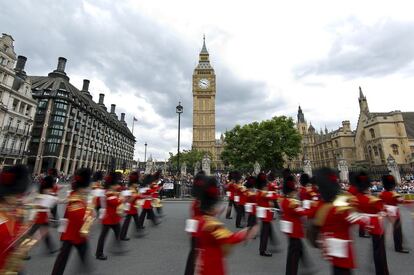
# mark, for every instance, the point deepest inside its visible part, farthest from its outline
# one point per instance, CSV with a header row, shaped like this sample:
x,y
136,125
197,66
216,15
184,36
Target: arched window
x,y
395,149
375,148
370,152
372,133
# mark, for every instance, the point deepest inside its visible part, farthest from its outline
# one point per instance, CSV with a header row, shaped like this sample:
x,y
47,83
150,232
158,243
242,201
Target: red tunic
x,y
230,189
132,202
195,209
75,215
353,190
373,207
391,200
335,223
112,202
292,214
251,199
213,240
147,197
265,203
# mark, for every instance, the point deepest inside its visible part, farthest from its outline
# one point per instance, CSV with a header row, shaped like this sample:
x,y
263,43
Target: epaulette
x,y
3,219
211,223
322,213
293,203
395,194
373,199
76,205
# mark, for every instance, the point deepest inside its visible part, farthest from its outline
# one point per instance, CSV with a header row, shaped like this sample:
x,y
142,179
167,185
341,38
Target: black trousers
x,y
239,214
380,256
149,213
295,253
341,271
265,232
362,231
62,258
48,240
191,259
397,233
229,207
251,220
105,228
125,225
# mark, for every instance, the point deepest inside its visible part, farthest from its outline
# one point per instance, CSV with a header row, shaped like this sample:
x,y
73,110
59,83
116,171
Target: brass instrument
x,y
88,220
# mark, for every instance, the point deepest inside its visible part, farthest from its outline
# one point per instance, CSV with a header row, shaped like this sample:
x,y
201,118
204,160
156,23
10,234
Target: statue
x,y
343,170
149,166
307,167
196,167
205,164
393,169
256,168
184,169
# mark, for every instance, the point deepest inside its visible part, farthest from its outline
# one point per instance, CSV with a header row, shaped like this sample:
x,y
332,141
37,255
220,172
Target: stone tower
x,y
204,101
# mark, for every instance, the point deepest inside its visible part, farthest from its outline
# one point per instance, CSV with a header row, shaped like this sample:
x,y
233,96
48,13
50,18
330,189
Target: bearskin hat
x,y
157,175
111,179
148,179
250,182
388,181
289,184
271,177
82,178
261,180
328,185
133,178
198,183
46,183
98,176
235,176
286,172
362,181
209,194
304,179
14,180
52,172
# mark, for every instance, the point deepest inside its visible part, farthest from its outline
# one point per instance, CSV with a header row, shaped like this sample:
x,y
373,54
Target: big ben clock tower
x,y
204,102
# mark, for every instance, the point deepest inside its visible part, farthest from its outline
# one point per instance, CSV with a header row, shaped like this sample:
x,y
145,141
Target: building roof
x,y
409,123
59,81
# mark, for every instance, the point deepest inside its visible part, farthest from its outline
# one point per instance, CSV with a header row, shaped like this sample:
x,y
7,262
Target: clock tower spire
x,y
204,101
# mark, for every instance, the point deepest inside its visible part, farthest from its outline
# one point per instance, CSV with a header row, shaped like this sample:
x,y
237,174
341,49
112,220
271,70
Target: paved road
x,y
164,251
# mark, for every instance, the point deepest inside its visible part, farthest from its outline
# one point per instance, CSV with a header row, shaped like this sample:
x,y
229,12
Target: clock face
x,y
203,83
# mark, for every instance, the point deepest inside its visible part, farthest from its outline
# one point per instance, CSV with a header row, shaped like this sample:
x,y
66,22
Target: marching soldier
x,y
264,211
78,219
193,222
373,208
239,198
52,172
214,239
230,189
15,242
146,195
155,191
251,201
335,217
98,192
111,218
391,200
291,224
131,205
44,203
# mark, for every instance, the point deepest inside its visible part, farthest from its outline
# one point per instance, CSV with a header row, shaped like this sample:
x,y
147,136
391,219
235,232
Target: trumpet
x,y
88,220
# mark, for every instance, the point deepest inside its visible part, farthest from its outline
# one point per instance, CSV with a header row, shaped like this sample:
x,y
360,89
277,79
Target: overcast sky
x,y
269,57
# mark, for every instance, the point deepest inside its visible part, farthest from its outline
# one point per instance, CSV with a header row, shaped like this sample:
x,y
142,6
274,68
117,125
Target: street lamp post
x,y
179,111
145,153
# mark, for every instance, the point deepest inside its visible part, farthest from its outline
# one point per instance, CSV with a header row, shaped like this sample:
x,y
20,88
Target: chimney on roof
x,y
21,62
61,64
101,99
113,108
122,117
85,86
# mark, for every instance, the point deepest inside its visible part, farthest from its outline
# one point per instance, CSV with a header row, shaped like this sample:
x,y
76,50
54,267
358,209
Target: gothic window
x,y
370,152
372,133
394,148
375,148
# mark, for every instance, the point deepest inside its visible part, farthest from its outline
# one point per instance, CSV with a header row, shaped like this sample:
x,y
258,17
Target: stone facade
x,y
376,137
204,108
17,106
72,131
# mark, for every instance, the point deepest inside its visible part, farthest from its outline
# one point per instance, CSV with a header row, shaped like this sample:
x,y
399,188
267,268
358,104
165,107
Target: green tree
x,y
188,156
268,142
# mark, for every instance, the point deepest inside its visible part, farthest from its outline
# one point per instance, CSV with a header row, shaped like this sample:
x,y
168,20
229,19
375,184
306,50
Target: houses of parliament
x,y
377,137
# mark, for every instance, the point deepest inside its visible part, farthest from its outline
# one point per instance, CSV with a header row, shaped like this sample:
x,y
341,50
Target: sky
x,y
269,58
